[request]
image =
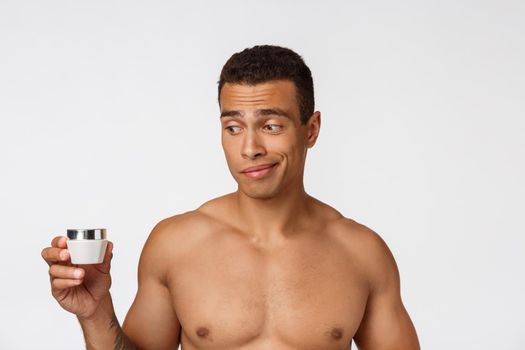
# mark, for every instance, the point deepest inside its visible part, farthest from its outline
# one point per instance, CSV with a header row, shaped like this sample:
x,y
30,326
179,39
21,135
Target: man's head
x,y
267,118
264,63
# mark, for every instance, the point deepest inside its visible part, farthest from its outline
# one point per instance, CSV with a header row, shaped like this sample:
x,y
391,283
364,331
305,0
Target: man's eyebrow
x,y
258,113
233,114
272,111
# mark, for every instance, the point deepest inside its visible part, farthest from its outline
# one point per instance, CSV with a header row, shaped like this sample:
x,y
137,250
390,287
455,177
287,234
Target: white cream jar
x,y
87,246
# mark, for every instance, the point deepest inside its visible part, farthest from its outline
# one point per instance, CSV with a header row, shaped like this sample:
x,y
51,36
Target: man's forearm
x,y
102,331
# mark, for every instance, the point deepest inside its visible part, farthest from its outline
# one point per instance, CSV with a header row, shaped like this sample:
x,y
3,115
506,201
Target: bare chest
x,y
305,295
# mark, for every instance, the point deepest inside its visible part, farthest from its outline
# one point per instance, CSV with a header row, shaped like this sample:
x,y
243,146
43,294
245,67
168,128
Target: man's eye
x,y
230,128
274,127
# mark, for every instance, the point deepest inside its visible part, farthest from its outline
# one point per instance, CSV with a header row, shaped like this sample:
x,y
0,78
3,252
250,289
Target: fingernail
x,y
63,255
77,273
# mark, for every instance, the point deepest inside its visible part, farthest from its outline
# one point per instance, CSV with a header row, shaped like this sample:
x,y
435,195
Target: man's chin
x,y
259,193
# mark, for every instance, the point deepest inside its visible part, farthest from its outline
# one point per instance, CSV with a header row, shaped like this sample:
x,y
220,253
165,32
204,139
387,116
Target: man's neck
x,y
272,220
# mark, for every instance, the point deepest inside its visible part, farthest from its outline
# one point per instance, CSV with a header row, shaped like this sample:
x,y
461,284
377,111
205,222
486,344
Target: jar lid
x,y
94,233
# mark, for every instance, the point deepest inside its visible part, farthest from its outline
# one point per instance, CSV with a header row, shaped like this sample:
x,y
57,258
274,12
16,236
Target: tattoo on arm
x,y
122,342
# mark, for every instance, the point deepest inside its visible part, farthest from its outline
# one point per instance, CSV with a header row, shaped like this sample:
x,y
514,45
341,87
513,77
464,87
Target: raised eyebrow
x,y
258,113
272,111
233,114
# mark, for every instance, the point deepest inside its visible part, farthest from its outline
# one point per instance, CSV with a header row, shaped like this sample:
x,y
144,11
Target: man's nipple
x,y
337,333
202,332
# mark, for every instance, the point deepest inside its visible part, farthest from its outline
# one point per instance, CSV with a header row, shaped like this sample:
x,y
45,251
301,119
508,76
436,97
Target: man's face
x,y
261,126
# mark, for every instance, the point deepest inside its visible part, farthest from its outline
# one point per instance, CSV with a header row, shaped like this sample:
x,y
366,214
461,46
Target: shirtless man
x,y
265,267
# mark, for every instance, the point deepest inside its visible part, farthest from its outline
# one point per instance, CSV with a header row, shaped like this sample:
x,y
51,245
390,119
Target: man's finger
x,y
53,255
59,242
63,271
58,284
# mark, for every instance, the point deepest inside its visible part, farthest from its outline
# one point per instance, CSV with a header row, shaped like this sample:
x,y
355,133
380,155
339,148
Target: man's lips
x,y
259,167
260,171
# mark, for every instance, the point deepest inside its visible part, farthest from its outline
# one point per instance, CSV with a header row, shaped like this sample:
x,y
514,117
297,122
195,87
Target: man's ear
x,y
313,127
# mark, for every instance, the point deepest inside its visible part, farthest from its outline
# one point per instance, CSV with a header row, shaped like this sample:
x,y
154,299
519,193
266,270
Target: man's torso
x,y
229,291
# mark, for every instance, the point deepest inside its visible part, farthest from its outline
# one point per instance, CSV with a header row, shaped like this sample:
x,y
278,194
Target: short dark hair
x,y
263,63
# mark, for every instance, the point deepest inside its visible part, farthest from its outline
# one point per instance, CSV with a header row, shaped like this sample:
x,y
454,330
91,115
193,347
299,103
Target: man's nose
x,y
252,146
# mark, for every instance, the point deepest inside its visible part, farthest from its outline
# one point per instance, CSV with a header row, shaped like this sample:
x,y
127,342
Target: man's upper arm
x,y
151,322
386,324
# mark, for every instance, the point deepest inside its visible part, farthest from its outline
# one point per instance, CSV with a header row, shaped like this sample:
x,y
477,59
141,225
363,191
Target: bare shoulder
x,y
358,235
386,323
361,242
179,231
170,238
368,248
178,226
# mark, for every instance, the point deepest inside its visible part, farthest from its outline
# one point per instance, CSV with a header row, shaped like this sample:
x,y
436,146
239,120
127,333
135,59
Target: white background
x,y
109,119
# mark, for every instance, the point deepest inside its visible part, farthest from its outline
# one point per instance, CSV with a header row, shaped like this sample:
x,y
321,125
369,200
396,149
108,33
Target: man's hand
x,y
77,289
